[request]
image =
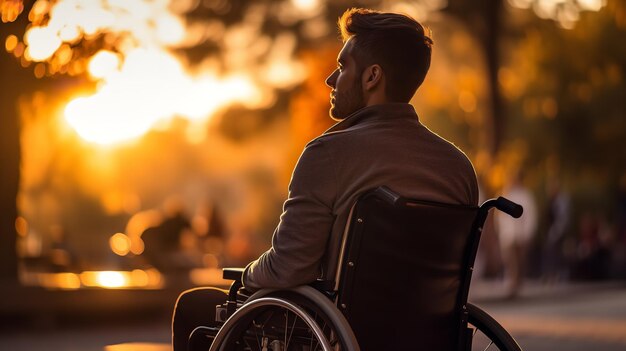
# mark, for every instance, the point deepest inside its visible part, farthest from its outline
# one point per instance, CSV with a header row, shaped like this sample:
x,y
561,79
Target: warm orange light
x,y
207,276
200,225
136,245
141,85
21,226
467,101
10,43
103,64
42,43
512,85
496,176
69,33
155,279
139,278
141,221
40,8
39,70
150,87
307,5
143,279
111,202
565,13
169,29
210,261
111,279
10,10
549,108
68,281
120,244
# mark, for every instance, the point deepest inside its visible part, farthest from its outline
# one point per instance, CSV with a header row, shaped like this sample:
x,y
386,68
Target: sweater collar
x,y
375,113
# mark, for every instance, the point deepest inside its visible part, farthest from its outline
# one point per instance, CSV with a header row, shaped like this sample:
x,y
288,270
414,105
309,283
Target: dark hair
x,y
396,42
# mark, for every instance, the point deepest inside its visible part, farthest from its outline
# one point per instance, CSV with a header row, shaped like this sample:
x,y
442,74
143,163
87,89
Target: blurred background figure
x,y
593,252
620,247
176,243
515,235
164,242
557,215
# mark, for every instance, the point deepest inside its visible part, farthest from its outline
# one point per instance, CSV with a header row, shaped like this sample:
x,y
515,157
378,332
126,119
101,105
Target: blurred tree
x,y
13,82
572,112
483,19
20,77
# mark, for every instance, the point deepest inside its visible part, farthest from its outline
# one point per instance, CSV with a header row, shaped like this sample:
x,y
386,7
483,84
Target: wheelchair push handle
x,y
387,195
509,207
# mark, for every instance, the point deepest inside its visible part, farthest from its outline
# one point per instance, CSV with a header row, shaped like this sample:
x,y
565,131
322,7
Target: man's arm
x,y
299,241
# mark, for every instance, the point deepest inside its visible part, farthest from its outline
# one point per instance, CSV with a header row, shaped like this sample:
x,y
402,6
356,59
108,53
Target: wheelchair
x,y
402,283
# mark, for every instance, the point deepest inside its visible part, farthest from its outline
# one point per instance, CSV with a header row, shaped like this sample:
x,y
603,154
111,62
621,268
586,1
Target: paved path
x,y
572,317
564,317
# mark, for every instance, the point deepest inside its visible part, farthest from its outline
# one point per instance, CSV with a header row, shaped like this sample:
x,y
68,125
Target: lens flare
x,y
140,84
150,87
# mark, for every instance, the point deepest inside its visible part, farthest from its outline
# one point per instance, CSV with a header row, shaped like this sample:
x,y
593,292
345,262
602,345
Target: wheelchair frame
x,y
321,293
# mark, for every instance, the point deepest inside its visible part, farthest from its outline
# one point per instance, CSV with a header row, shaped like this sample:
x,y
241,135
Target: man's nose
x,y
332,79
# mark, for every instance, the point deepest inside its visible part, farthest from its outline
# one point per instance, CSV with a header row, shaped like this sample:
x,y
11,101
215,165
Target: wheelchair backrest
x,y
403,269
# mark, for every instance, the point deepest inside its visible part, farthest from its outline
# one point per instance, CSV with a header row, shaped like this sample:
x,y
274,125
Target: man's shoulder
x,y
330,138
435,139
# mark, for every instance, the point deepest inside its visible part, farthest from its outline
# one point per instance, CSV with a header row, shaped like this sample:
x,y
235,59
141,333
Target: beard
x,y
348,102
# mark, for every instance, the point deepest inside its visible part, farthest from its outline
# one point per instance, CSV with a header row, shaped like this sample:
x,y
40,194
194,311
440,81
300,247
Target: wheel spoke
x,y
311,343
286,326
488,346
256,334
290,333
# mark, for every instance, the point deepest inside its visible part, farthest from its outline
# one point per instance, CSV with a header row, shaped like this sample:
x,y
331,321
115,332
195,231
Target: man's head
x,y
385,58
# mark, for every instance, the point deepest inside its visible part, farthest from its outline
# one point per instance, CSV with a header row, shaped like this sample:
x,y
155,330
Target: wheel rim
x,y
488,334
254,327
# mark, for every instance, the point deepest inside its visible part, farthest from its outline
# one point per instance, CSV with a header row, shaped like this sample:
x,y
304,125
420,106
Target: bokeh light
x,y
120,244
110,279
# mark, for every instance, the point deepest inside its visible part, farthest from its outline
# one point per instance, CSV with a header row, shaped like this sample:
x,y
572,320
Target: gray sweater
x,y
377,145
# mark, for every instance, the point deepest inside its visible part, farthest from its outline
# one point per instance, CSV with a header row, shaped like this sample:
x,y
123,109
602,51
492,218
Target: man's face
x,y
346,95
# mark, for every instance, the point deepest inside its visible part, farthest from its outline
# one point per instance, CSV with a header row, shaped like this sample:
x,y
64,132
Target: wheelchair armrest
x,y
233,273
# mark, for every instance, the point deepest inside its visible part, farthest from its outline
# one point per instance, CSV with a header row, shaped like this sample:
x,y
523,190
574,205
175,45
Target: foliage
x,y
571,114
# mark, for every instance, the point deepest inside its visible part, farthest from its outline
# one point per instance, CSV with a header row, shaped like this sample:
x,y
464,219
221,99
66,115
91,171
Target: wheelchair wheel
x,y
281,321
488,333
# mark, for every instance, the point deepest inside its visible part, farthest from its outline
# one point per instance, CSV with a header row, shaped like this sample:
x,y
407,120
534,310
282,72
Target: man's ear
x,y
372,77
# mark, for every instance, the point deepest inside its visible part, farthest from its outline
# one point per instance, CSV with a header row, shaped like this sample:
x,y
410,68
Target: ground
x,y
589,316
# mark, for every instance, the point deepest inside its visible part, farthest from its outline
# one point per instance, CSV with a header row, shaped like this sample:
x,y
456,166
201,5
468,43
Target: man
x,y
378,140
